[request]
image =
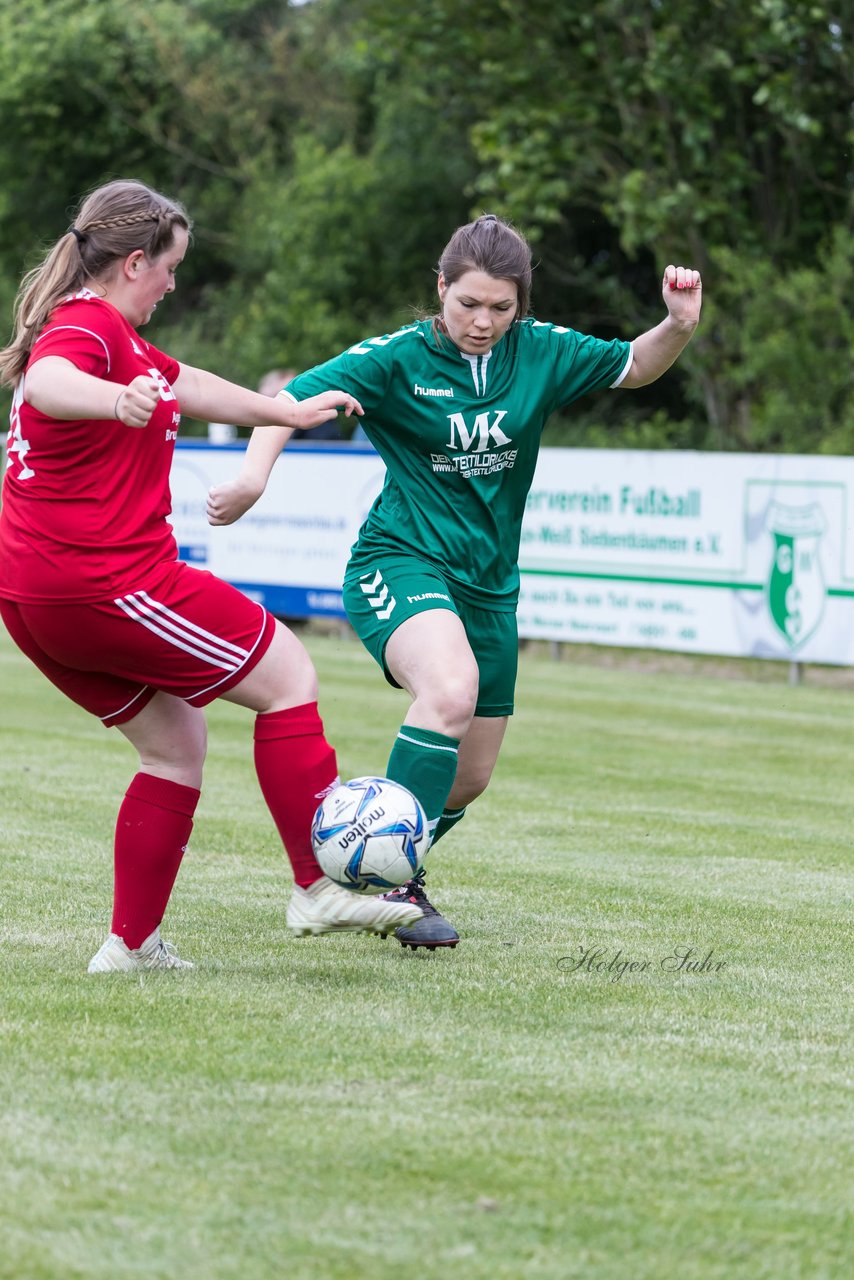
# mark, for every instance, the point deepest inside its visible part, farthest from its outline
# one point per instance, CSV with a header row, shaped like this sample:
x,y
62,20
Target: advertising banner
x,y
736,554
713,553
290,550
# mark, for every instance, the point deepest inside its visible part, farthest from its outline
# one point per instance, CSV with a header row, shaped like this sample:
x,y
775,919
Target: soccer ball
x,y
370,835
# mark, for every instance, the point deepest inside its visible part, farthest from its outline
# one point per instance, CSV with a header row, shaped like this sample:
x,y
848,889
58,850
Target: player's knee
x,y
295,681
452,705
179,750
285,676
302,678
199,742
189,746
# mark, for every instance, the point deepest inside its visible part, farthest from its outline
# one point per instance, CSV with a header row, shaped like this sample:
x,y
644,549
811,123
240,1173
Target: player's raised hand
x,y
319,409
138,401
682,290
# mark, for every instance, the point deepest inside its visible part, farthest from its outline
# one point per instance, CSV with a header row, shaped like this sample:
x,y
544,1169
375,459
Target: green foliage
x,y
645,429
687,123
327,150
786,337
626,135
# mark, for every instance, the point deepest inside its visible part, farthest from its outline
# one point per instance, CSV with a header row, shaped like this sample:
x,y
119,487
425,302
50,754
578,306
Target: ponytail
x,y
110,224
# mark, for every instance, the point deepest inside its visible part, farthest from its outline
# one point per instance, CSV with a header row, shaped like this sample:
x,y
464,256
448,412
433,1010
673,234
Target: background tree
x,y
326,151
621,136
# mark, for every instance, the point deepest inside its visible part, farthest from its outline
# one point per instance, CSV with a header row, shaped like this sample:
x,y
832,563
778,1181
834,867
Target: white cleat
x,y
154,953
327,908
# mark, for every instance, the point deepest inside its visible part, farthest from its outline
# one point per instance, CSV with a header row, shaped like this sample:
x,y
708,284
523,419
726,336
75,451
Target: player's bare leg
x,y
296,766
429,656
477,756
152,831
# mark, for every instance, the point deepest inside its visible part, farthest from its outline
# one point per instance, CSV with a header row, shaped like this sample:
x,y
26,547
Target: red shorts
x,y
182,631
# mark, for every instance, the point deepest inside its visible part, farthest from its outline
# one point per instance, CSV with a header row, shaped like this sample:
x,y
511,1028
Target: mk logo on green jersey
x,y
488,435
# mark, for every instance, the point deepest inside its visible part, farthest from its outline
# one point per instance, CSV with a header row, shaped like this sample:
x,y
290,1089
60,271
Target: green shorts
x,y
381,593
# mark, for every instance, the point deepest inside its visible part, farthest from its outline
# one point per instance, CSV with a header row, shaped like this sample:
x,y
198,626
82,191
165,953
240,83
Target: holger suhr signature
x,y
682,959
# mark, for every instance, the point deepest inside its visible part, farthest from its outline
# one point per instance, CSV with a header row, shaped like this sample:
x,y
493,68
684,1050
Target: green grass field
x,y
338,1108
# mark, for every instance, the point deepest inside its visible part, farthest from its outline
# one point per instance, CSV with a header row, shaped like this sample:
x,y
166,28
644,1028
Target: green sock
x,y
425,763
449,818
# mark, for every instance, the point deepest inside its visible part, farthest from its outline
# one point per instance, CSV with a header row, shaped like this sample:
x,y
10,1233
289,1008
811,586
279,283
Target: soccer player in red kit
x,y
91,588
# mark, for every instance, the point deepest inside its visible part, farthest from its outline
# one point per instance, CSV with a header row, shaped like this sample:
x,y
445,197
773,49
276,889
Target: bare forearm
x,y
229,501
262,451
59,390
656,350
206,396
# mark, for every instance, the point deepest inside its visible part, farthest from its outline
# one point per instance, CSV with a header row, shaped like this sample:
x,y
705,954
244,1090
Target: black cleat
x,y
432,930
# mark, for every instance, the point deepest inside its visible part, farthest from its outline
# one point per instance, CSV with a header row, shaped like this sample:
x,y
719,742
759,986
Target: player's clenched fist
x,y
228,502
682,289
137,402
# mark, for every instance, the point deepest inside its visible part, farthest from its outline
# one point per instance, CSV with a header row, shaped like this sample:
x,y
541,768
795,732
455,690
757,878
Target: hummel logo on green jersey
x,y
433,391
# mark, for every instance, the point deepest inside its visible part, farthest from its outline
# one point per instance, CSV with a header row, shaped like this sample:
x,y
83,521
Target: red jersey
x,y
85,502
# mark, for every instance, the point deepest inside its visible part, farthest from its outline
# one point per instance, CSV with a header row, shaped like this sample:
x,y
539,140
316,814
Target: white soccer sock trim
x,y
432,746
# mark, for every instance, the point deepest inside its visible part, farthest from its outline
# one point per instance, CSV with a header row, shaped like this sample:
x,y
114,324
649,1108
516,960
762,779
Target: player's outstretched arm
x,y
227,502
208,397
656,350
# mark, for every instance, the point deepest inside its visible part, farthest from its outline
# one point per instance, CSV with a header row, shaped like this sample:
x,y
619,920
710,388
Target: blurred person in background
x,y
272,383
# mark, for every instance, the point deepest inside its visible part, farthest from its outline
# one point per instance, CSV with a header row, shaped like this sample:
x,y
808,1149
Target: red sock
x,y
152,830
295,764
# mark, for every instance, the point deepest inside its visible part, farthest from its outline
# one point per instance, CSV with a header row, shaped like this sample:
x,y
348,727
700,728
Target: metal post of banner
x,y
796,673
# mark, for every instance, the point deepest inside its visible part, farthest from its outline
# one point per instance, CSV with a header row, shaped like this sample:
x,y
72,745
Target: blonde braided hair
x,y
104,224
110,224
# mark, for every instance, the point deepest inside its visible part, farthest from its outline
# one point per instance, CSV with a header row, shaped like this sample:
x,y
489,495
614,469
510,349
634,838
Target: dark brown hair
x,y
494,247
112,222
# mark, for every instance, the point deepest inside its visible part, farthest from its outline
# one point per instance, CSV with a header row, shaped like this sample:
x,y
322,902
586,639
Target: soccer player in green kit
x,y
455,405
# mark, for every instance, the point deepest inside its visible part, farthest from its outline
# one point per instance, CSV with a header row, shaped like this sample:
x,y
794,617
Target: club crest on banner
x,y
795,588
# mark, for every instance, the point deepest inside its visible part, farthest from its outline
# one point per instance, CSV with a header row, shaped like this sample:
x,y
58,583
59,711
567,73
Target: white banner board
x,y
290,550
736,554
739,554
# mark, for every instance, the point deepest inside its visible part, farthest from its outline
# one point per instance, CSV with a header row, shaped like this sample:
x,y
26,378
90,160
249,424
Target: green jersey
x,y
459,435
